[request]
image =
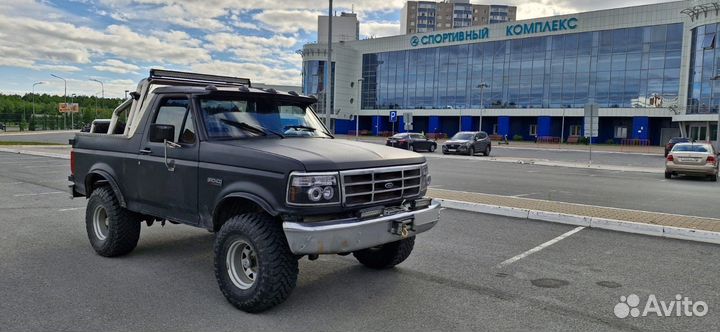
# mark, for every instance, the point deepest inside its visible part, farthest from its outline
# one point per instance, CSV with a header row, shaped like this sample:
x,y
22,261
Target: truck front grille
x,y
377,185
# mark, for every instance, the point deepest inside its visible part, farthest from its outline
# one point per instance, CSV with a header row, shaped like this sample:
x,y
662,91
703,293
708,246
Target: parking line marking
x,y
538,248
37,194
71,209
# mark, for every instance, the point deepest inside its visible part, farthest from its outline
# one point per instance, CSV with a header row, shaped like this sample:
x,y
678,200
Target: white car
x,y
698,159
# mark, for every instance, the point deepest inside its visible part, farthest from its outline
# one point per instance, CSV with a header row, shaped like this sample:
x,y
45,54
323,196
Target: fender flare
x,y
106,178
262,203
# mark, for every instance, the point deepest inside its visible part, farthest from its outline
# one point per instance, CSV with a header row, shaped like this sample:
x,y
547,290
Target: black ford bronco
x,y
257,168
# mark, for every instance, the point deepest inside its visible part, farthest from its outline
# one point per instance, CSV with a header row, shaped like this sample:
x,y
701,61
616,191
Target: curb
x,y
591,222
36,153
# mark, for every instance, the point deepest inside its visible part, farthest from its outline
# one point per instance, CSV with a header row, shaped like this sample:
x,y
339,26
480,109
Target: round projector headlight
x,y
328,193
315,194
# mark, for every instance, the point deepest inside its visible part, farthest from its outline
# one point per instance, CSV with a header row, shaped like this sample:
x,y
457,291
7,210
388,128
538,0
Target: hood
x,y
458,141
318,154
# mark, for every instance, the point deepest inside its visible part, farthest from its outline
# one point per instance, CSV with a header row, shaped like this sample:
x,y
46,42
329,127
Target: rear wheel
x,y
254,266
432,148
487,150
668,175
112,229
386,255
714,178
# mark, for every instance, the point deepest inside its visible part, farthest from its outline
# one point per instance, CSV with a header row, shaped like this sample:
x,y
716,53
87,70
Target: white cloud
x,y
288,21
379,29
254,71
117,66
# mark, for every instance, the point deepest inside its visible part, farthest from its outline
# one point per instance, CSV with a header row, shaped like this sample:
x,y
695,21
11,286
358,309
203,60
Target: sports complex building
x,y
652,70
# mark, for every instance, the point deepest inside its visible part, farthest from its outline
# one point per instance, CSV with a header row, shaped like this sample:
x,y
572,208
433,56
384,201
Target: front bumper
x,y
348,235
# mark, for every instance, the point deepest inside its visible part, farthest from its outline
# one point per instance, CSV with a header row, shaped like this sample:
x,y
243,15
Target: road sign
x,y
393,116
591,120
69,107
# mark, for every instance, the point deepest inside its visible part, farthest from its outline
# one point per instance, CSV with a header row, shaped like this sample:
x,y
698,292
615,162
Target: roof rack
x,y
171,77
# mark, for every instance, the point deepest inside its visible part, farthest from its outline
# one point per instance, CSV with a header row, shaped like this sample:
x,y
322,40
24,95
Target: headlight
x,y
313,189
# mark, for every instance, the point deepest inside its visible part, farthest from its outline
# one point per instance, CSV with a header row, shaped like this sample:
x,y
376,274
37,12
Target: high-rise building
x,y
423,16
345,28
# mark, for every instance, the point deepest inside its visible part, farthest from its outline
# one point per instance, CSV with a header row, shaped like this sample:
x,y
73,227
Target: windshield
x,y
462,136
231,118
689,148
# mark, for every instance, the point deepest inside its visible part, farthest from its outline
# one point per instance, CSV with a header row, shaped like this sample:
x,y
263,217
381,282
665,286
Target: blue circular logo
x,y
414,41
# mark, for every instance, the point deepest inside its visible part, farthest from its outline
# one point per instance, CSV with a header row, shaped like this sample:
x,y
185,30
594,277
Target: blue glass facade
x,y
616,68
314,78
703,95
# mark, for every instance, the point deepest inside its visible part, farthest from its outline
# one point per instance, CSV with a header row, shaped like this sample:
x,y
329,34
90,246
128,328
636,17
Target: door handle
x,y
145,151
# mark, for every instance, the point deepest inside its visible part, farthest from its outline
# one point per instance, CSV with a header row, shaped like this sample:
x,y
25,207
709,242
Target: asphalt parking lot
x,y
463,275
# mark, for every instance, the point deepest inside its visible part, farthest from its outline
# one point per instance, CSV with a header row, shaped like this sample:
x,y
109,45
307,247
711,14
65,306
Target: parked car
x,y
674,141
468,142
697,159
412,141
256,167
2,127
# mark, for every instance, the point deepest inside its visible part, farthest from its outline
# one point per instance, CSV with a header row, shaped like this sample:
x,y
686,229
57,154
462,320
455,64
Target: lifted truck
x,y
254,166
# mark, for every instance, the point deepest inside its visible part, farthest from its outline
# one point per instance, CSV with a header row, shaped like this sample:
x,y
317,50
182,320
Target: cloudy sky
x,y
117,41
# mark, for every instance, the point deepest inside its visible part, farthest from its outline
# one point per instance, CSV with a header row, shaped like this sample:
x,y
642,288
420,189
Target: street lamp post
x,y
328,71
102,89
359,105
33,100
482,87
65,81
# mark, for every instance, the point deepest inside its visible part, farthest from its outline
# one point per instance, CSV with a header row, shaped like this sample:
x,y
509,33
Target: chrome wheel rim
x,y
100,223
242,264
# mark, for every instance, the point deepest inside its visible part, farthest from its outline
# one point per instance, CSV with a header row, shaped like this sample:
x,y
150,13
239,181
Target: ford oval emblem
x,y
389,185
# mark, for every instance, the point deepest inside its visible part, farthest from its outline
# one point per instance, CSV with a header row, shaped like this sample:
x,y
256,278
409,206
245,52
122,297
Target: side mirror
x,y
160,133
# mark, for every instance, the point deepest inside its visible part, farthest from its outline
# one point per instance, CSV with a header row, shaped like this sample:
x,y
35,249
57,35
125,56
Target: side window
x,y
483,135
175,112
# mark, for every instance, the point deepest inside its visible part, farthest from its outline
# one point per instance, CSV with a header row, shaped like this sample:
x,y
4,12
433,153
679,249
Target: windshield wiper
x,y
256,129
300,127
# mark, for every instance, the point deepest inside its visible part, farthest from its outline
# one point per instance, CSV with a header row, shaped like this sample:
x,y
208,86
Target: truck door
x,y
168,184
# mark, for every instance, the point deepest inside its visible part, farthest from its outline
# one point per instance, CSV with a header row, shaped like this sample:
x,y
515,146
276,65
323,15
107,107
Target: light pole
x,y
102,89
562,127
359,104
482,87
126,93
65,81
33,100
328,70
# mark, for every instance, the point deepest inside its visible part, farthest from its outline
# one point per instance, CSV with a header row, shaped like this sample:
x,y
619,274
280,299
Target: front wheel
x,y
487,150
471,151
254,266
386,255
112,229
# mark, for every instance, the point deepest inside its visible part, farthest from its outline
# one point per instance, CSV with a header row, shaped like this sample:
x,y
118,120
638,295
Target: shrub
x,y
584,140
610,141
518,138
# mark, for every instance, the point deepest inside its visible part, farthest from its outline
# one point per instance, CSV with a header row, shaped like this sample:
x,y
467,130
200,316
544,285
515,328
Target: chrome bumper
x,y
344,236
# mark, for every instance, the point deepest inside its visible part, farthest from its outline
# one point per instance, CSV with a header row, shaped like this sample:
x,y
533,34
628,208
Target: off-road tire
x,y
122,229
387,255
277,267
668,175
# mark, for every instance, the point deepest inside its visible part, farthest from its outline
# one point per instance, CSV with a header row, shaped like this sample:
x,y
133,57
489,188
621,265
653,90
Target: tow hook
x,y
402,228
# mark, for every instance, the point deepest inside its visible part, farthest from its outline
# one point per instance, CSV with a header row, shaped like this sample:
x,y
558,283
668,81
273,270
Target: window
x,y
575,130
483,135
709,41
175,112
533,130
620,132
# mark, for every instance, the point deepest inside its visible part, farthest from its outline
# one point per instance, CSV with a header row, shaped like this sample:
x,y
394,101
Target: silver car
x,y
699,159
